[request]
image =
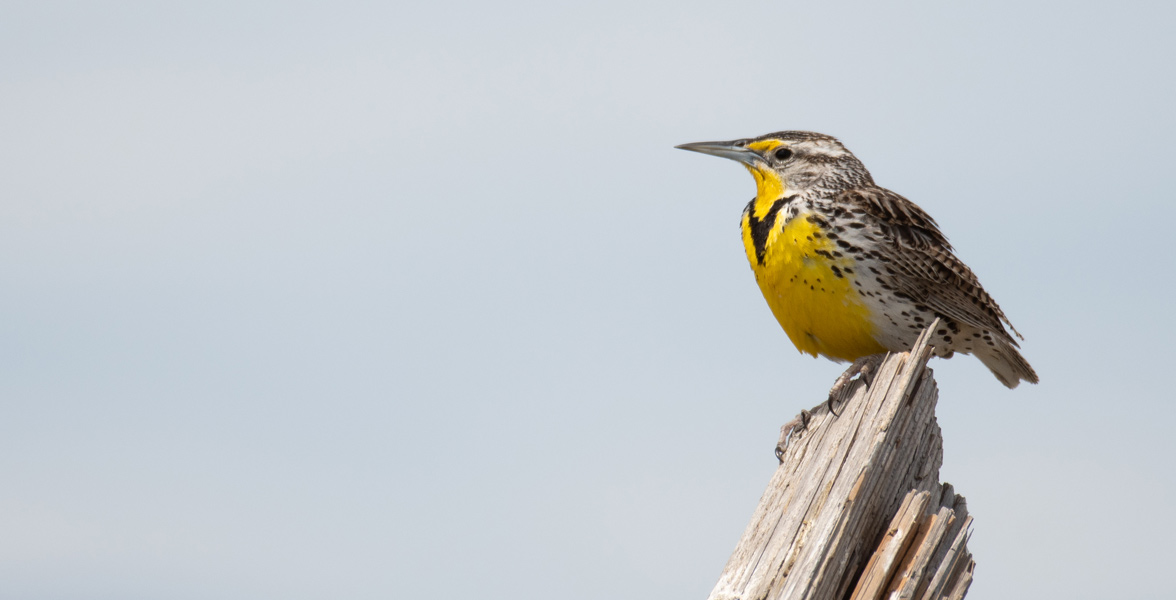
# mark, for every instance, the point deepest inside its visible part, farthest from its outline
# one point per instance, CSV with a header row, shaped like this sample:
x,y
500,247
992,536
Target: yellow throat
x,y
803,276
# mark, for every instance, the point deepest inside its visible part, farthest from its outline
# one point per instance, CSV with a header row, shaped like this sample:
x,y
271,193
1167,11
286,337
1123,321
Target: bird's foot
x,y
800,423
865,368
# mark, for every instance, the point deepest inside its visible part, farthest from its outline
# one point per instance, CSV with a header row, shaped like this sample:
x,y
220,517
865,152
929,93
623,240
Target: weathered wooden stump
x,y
856,509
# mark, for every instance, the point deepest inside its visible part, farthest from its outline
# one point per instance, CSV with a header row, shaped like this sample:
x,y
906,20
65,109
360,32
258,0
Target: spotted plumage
x,y
851,269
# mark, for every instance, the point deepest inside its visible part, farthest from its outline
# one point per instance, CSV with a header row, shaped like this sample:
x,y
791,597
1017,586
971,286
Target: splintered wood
x,y
922,555
856,509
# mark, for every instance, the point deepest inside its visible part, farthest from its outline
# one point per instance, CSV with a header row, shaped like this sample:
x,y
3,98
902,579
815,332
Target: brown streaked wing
x,y
926,268
909,223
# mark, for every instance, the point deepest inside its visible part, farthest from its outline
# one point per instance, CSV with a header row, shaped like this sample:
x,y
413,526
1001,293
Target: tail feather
x,y
1006,363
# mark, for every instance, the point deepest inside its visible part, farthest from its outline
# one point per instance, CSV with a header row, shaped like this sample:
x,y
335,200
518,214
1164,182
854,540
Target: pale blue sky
x,y
371,300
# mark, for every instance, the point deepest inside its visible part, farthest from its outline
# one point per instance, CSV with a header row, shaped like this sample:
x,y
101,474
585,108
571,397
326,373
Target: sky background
x,y
371,300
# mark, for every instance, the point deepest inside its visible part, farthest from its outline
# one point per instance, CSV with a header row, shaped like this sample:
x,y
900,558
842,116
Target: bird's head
x,y
789,162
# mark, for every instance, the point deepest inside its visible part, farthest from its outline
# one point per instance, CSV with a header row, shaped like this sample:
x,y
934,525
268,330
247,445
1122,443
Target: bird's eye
x,y
783,154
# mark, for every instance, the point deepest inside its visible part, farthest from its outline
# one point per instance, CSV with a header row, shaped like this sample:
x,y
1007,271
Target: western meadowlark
x,y
852,270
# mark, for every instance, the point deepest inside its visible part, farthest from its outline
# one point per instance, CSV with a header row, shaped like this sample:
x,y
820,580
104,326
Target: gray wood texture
x,y
856,509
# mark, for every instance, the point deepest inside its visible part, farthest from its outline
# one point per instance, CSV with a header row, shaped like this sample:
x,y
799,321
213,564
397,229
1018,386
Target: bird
x,y
852,270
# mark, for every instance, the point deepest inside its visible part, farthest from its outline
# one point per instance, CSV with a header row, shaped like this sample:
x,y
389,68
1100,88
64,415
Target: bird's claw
x,y
863,368
800,423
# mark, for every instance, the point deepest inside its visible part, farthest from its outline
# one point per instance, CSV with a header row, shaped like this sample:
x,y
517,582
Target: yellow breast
x,y
807,285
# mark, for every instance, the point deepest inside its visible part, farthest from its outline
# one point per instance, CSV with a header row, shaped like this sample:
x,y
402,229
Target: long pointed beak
x,y
734,150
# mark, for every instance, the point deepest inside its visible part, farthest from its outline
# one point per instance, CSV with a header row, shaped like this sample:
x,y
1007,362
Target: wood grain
x,y
856,503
